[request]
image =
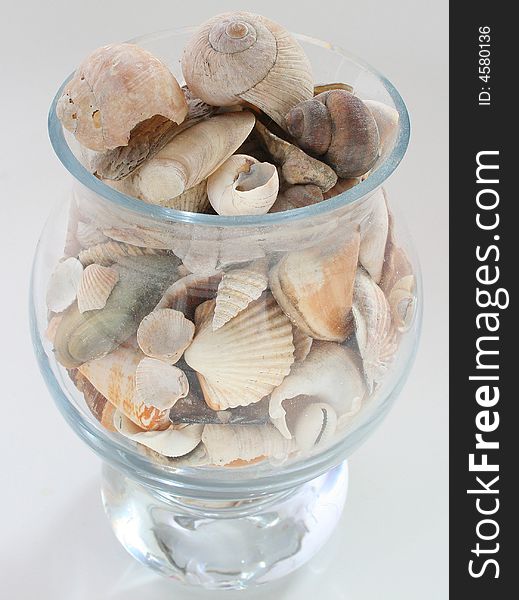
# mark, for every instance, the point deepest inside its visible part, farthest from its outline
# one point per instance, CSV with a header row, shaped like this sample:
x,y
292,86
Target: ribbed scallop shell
x,y
238,288
244,360
159,384
95,287
165,334
110,252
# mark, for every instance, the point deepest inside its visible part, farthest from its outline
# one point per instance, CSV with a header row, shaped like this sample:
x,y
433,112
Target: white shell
x,y
165,334
95,287
329,374
188,292
172,442
238,288
315,425
243,361
372,318
159,384
63,284
373,237
243,186
402,301
226,443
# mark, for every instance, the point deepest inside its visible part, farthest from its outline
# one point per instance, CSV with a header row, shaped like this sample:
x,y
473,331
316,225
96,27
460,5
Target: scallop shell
x,y
241,57
329,374
63,284
170,442
227,443
237,289
372,317
314,287
402,301
159,384
190,157
315,425
243,186
165,334
110,252
189,292
373,237
113,376
244,360
95,287
113,90
89,235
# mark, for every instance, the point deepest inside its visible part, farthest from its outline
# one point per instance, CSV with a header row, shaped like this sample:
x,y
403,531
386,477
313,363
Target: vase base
x,y
224,546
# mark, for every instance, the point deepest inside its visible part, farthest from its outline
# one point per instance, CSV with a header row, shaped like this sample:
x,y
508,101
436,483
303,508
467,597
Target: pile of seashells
x,y
260,360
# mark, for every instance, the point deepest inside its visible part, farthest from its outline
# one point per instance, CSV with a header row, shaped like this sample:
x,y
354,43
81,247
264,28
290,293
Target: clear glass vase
x,y
230,515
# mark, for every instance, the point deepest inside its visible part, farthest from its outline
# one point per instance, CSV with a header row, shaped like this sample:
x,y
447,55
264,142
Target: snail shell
x,y
339,127
113,90
241,57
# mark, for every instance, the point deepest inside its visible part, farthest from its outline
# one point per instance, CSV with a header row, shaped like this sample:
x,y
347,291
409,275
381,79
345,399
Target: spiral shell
x,y
241,57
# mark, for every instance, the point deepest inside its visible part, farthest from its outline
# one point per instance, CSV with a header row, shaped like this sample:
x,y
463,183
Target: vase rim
x,y
165,214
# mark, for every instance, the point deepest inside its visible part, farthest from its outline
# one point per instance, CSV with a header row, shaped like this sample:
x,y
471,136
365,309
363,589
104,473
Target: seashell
x,y
159,384
113,376
386,118
113,90
396,261
193,409
315,425
110,252
89,235
98,405
329,374
190,157
239,57
189,292
95,287
147,139
373,237
243,186
296,166
165,334
171,442
339,127
372,318
302,344
245,359
402,302
81,337
63,284
237,289
297,196
341,186
227,443
327,87
192,200
314,287
52,327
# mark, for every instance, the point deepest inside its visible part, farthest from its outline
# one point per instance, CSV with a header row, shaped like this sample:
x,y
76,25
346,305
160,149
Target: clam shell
x,y
228,443
159,384
165,334
237,289
95,287
110,252
170,442
402,302
373,237
315,425
329,374
63,284
189,292
372,318
113,376
243,186
314,287
89,235
243,361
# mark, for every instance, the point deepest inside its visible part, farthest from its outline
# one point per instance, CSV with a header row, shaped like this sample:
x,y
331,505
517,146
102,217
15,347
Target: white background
x,y
55,543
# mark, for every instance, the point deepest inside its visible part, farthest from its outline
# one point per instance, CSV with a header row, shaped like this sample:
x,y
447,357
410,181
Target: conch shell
x,y
245,359
239,57
113,376
165,334
95,287
238,288
159,384
373,237
339,127
314,287
63,284
243,186
190,157
227,443
113,90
